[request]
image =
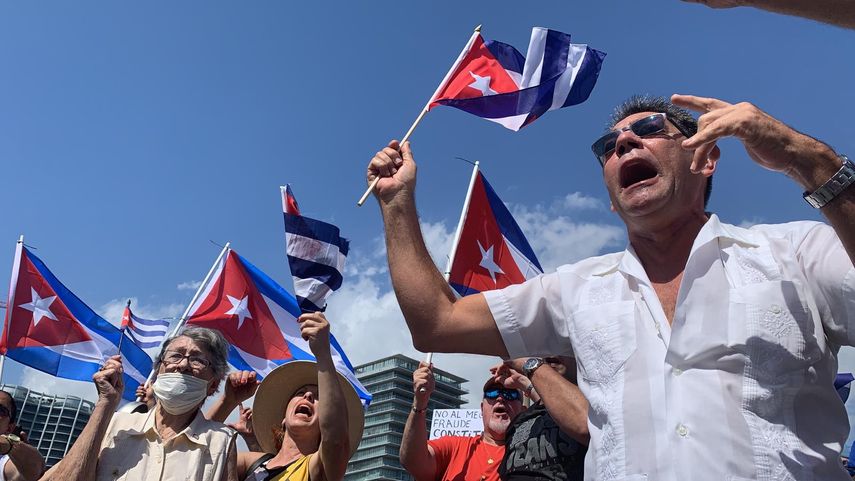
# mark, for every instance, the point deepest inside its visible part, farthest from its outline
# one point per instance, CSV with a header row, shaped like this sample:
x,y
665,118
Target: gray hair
x,y
681,118
211,340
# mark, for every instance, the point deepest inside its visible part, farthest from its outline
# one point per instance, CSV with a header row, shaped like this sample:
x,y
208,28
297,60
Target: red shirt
x,y
461,458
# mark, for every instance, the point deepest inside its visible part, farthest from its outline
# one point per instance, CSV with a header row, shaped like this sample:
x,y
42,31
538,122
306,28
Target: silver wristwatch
x,y
531,364
834,186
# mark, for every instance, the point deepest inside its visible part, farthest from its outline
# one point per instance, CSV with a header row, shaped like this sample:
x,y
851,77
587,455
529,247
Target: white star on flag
x,y
482,84
488,263
40,307
239,309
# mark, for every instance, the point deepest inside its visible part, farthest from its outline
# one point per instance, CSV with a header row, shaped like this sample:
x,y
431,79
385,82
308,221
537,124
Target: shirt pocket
x,y
772,324
603,338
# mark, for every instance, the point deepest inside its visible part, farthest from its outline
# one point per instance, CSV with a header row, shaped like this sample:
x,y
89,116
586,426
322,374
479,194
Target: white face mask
x,y
179,393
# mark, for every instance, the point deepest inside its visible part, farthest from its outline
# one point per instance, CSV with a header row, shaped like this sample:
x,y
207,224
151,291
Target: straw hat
x,y
275,392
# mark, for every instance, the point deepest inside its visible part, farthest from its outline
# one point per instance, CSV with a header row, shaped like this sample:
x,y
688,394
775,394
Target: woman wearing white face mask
x,y
173,441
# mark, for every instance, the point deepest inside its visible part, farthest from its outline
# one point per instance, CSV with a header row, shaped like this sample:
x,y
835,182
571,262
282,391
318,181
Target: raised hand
x,y
397,169
109,381
315,329
244,423
509,374
768,141
423,385
240,386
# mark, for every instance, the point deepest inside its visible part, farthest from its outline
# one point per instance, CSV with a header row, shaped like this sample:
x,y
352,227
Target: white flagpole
x,y
456,241
183,319
10,301
427,105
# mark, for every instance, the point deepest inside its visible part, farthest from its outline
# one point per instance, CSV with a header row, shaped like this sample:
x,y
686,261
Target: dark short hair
x,y
13,413
211,340
681,118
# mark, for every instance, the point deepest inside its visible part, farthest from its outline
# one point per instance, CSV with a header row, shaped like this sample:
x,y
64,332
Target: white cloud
x,y
189,285
580,201
559,239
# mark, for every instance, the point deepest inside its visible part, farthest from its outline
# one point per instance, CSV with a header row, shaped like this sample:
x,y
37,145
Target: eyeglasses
x,y
5,412
196,362
507,394
651,125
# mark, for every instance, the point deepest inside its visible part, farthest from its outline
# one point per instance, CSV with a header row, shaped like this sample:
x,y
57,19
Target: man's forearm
x,y
835,12
823,163
564,402
81,462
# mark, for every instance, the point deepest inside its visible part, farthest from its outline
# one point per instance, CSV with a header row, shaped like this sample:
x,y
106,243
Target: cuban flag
x,y
492,251
494,81
316,254
259,319
50,329
145,333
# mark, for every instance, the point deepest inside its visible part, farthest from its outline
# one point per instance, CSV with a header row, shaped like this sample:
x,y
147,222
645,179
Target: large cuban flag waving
x,y
50,329
494,81
259,319
492,251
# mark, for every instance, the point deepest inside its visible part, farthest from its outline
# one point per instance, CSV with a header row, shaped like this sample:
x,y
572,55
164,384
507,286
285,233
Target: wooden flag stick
x,y
427,106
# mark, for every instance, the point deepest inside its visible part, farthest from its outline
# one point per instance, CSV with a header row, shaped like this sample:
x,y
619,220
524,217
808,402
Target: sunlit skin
x,y
301,415
188,347
649,179
497,415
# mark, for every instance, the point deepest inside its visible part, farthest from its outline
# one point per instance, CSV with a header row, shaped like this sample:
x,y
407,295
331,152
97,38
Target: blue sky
x,y
132,135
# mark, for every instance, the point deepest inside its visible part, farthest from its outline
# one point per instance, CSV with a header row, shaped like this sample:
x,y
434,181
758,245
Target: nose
x,y
626,142
309,395
183,365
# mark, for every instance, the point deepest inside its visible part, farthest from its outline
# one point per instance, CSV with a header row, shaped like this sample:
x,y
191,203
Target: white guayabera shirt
x,y
740,387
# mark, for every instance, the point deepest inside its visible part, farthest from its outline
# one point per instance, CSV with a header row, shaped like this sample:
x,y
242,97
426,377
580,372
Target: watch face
x,y
13,437
531,363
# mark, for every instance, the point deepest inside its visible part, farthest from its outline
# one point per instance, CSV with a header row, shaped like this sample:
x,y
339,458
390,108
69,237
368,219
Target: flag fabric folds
x,y
50,329
145,333
316,254
494,81
492,251
259,319
842,384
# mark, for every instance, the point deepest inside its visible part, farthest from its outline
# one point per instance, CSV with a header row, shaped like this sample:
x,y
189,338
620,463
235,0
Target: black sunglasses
x,y
651,125
507,394
4,412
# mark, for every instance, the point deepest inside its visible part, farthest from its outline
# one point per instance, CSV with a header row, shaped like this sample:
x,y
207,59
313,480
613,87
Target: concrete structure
x,y
390,382
52,423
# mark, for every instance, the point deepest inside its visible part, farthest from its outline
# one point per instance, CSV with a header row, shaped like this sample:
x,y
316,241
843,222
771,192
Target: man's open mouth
x,y
636,171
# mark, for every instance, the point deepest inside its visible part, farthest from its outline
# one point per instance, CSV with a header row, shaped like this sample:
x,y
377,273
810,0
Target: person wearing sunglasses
x,y
548,440
19,461
458,458
173,440
706,350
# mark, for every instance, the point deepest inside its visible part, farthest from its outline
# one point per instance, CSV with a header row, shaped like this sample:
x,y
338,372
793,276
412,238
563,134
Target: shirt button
x,y
775,309
677,371
682,430
656,325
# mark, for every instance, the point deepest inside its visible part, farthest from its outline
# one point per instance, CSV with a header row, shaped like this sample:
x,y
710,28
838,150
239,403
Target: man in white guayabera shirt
x,y
707,351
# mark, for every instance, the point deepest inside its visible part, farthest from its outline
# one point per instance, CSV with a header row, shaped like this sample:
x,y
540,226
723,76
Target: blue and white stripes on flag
x,y
145,333
316,254
494,81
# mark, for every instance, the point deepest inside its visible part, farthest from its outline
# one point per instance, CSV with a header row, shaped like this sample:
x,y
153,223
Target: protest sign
x,y
456,422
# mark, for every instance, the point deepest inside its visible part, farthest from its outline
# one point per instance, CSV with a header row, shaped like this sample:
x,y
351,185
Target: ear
x,y
712,162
